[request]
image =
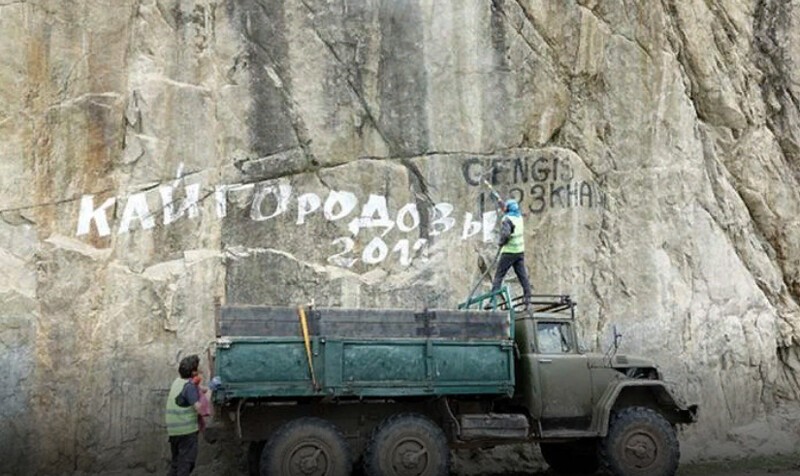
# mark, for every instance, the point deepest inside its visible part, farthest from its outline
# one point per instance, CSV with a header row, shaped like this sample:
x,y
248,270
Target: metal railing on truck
x,y
501,300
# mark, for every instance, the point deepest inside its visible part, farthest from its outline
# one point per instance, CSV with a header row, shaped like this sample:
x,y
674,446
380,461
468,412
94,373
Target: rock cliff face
x,y
158,155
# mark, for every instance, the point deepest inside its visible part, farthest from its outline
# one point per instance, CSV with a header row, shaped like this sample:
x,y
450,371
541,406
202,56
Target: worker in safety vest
x,y
512,251
183,407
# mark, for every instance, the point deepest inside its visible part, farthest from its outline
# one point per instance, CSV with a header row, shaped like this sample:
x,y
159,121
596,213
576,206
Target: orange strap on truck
x,y
301,312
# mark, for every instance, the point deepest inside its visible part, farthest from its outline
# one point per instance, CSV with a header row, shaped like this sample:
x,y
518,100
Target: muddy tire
x,y
572,458
640,442
306,447
407,444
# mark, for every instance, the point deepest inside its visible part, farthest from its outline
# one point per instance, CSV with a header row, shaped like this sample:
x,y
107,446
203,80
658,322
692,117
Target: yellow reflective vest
x,y
180,420
516,243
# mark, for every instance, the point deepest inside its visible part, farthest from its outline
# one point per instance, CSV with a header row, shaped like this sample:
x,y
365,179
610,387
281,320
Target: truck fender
x,y
650,393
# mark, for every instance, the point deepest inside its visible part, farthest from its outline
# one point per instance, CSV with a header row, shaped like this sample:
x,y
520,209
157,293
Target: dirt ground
x,y
781,465
708,469
716,469
778,465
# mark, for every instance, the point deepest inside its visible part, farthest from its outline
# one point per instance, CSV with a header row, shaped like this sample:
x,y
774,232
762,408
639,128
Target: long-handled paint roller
x,y
482,265
493,193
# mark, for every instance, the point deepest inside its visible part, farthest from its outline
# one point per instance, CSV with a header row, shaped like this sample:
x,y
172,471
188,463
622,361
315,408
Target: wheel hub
x,y
308,460
410,457
640,450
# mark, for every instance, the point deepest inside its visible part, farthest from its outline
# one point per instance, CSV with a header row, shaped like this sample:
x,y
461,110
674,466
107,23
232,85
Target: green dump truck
x,y
325,391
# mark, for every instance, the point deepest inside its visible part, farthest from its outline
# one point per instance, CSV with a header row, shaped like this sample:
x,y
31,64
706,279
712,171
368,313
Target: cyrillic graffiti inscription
x,y
538,183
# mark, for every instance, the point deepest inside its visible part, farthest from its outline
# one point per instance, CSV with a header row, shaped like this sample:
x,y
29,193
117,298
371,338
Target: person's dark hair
x,y
188,365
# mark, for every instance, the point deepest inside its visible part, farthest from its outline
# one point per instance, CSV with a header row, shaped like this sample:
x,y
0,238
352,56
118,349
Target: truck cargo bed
x,y
381,353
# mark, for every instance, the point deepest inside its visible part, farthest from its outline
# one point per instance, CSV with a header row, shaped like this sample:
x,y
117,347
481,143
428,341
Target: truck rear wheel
x,y
574,457
306,447
407,444
640,442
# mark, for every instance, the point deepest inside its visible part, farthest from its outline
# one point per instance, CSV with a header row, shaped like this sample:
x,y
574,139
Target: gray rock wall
x,y
158,155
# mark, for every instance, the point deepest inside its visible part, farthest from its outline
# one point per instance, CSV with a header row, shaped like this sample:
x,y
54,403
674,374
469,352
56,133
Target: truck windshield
x,y
554,337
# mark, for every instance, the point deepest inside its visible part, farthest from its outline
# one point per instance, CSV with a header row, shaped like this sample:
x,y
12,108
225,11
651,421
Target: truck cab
x,y
612,410
554,378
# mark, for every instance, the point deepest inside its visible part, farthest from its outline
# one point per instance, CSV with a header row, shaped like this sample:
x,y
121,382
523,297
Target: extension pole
x,y
496,197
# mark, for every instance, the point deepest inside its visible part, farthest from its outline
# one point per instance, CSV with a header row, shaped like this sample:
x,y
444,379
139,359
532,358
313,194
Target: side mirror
x,y
617,338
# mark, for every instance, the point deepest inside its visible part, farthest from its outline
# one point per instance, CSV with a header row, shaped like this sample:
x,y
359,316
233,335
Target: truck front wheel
x,y
574,457
640,442
407,444
306,447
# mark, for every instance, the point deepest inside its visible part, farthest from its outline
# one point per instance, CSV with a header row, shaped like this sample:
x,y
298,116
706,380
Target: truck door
x,y
564,378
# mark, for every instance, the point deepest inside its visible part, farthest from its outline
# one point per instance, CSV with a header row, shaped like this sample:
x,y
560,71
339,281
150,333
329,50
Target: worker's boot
x,y
527,304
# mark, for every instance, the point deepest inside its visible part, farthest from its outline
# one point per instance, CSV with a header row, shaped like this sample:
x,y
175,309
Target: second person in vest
x,y
182,409
512,251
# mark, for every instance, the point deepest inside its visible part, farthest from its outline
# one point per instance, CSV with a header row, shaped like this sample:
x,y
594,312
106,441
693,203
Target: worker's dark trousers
x,y
517,260
184,454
